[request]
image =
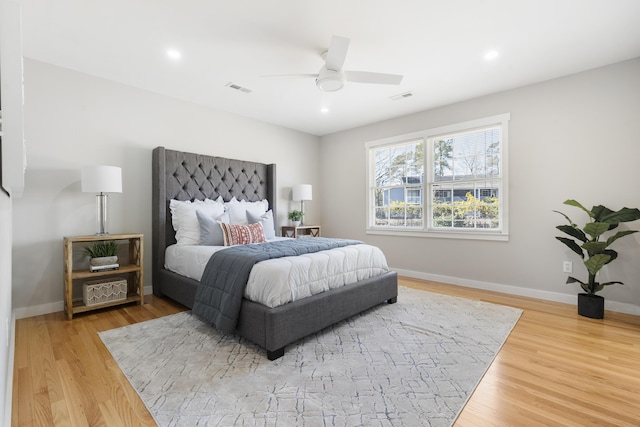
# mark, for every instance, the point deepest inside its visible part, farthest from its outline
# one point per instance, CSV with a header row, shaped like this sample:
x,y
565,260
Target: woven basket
x,y
104,290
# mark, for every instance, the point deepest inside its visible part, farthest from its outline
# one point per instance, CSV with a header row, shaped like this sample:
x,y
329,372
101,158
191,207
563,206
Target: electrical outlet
x,y
567,267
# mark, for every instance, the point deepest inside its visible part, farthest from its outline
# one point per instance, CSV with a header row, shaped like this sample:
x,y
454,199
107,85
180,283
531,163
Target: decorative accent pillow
x,y
238,209
266,219
210,230
235,234
184,219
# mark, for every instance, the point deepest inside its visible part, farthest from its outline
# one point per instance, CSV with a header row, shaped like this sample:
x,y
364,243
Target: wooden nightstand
x,y
132,271
301,231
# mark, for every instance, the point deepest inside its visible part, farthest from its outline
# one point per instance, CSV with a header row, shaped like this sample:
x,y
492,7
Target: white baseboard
x,y
616,306
619,307
52,307
8,395
36,310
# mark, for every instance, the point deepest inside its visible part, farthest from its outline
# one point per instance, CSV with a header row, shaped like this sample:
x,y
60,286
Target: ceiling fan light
x,y
329,83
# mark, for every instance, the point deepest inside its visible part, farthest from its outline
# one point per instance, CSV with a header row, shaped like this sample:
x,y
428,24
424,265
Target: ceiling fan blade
x,y
337,53
377,78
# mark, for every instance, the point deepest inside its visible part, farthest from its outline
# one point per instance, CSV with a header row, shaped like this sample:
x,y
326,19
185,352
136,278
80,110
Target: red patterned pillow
x,y
235,234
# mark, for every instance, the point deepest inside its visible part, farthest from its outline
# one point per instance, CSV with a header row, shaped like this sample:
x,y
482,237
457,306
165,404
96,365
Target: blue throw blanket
x,y
219,295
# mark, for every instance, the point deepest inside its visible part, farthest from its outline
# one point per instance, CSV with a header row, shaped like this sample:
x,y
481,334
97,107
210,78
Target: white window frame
x,y
501,234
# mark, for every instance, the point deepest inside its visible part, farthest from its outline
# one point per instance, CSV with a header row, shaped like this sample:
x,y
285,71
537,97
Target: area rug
x,y
413,363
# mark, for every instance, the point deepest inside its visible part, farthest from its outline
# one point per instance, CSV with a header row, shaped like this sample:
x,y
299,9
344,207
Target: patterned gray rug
x,y
413,363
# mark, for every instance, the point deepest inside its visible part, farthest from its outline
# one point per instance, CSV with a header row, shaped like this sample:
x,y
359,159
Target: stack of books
x,y
94,268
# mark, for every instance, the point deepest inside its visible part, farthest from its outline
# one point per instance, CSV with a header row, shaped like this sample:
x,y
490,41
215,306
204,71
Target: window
x,y
445,182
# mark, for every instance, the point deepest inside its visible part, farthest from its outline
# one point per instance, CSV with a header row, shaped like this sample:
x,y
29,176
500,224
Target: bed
x,y
188,176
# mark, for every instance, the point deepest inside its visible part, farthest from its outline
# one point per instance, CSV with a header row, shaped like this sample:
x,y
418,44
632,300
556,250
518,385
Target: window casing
x,y
444,182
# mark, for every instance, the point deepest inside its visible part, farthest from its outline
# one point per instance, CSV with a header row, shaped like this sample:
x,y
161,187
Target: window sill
x,y
448,234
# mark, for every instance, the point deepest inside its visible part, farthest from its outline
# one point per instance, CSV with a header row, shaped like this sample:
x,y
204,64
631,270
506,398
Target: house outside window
x,y
445,182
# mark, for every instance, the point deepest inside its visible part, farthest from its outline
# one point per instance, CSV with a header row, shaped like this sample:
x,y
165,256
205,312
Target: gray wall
x,y
5,304
574,137
72,120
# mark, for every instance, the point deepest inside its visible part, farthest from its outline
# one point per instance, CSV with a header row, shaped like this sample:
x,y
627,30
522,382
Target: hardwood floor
x,y
64,375
556,368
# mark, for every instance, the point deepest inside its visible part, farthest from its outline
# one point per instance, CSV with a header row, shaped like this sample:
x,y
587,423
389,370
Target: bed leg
x,y
392,300
276,354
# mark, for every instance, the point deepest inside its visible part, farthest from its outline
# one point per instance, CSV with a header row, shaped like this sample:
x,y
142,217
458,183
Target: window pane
x,y
381,167
396,195
442,194
487,205
468,155
381,197
414,216
442,215
414,195
398,164
443,160
466,205
382,217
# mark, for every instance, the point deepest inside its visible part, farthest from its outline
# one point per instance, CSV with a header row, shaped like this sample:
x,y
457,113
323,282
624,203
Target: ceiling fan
x,y
332,77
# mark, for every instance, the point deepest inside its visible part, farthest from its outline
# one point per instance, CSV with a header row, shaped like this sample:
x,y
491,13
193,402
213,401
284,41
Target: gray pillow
x,y
210,230
267,223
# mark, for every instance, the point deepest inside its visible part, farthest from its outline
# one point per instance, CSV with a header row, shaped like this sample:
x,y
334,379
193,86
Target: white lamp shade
x,y
302,192
101,179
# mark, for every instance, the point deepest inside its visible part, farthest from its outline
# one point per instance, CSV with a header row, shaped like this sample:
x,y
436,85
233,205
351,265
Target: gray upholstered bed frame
x,y
187,176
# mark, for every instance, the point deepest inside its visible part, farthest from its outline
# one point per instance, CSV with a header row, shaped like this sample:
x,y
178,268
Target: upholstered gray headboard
x,y
188,176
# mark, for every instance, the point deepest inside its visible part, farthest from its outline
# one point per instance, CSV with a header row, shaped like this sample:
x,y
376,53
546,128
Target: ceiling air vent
x,y
401,96
238,87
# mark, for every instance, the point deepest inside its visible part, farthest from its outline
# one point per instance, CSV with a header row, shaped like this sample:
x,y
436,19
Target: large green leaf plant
x,y
590,243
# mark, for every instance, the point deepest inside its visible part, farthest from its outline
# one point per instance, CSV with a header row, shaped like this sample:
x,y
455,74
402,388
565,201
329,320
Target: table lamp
x,y
101,179
302,192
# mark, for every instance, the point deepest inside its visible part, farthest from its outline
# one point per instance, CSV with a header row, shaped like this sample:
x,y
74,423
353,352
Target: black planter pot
x,y
591,306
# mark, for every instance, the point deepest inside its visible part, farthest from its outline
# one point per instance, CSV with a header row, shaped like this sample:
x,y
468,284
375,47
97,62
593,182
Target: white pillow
x,y
267,223
184,219
238,210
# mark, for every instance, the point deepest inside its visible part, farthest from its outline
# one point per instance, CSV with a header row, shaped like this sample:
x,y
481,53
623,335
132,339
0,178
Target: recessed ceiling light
x,y
493,54
173,54
324,110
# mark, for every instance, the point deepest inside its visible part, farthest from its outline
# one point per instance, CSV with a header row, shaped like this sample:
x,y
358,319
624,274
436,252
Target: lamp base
x,y
101,214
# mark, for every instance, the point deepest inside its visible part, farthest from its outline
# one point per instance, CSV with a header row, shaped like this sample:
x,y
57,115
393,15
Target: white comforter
x,y
278,281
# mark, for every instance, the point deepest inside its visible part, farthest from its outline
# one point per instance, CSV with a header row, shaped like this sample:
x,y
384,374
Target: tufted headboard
x,y
188,176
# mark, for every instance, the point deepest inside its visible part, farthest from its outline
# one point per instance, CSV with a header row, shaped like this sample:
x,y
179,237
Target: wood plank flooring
x,y
555,369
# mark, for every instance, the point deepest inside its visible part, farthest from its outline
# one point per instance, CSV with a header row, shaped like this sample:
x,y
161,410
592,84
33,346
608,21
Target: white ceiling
x,y
437,45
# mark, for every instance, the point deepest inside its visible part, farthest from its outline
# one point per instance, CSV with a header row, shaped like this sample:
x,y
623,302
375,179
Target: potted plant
x,y
104,252
296,217
589,242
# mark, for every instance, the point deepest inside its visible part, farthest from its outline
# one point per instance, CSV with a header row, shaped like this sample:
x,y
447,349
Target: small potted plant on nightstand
x,y
102,253
296,217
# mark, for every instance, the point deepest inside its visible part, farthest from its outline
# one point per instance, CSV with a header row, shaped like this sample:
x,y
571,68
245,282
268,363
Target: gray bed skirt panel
x,y
274,328
290,322
179,288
